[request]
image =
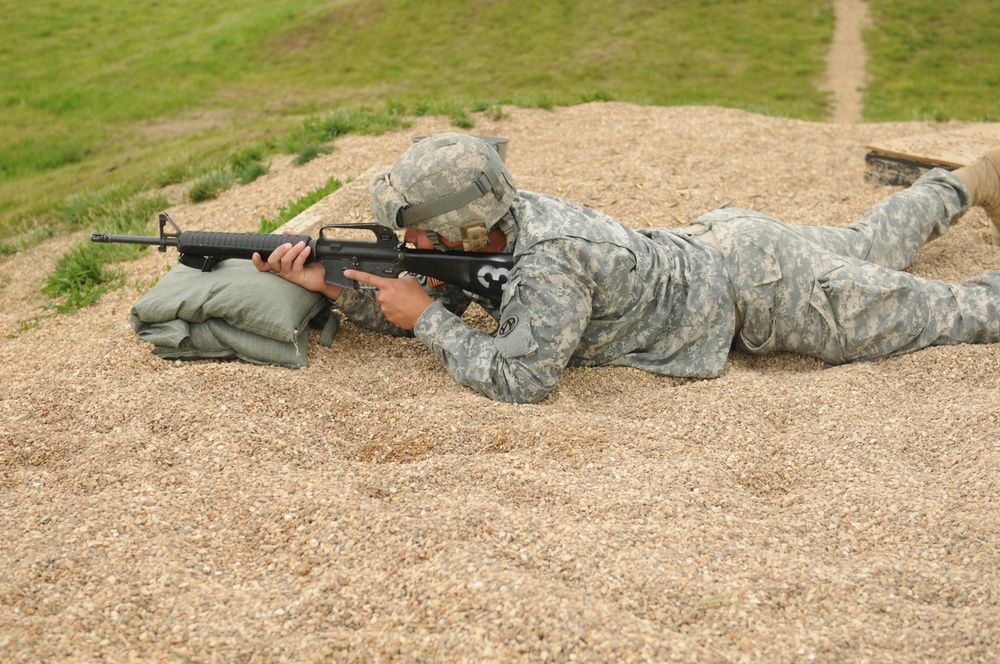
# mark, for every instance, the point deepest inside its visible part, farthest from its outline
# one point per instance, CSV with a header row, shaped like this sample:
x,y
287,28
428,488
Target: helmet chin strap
x,y
435,239
506,224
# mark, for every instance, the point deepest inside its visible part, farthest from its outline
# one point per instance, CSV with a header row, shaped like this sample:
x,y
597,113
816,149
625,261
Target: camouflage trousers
x,y
839,294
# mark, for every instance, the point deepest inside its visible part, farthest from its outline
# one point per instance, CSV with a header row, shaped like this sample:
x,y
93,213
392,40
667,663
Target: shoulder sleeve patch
x,y
513,338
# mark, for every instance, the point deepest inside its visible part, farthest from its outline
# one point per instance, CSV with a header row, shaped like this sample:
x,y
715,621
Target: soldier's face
x,y
420,240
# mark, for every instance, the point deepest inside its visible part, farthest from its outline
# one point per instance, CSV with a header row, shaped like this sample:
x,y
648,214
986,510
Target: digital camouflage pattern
x,y
586,290
441,184
839,294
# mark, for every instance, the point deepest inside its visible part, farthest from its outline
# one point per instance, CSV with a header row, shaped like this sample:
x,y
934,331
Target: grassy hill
x,y
96,93
933,61
135,95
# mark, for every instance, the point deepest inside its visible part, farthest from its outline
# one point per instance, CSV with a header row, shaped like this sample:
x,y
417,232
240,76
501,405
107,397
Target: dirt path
x,y
846,76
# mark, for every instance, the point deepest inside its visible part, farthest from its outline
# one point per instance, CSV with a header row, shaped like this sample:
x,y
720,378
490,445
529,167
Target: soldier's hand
x,y
289,262
402,300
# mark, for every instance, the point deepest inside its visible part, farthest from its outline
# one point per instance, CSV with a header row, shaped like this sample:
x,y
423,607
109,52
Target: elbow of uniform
x,y
525,397
519,388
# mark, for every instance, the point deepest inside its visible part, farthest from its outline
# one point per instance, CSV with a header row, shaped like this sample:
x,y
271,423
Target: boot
x,y
982,179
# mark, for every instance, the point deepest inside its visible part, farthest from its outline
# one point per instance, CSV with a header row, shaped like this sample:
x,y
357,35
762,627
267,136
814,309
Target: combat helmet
x,y
452,185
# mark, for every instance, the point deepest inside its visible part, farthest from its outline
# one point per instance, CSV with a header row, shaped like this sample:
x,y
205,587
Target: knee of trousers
x,y
864,312
860,312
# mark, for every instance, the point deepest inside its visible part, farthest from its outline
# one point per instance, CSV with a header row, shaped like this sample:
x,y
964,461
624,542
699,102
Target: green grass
x,y
765,53
210,185
241,168
77,71
933,61
86,271
296,207
315,132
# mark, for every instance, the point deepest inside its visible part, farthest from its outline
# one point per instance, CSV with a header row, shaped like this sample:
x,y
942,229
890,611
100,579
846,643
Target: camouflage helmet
x,y
453,185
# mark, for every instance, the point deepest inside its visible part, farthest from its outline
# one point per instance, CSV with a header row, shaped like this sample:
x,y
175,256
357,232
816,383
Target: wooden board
x,y
903,160
347,205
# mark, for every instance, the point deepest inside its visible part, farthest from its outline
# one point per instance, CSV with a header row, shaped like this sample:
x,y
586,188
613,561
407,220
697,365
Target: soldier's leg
x,y
893,231
796,296
862,312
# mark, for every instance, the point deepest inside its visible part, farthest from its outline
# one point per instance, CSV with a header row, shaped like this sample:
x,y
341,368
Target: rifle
x,y
481,273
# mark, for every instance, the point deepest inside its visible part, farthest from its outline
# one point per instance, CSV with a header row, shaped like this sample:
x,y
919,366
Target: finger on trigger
x,y
364,277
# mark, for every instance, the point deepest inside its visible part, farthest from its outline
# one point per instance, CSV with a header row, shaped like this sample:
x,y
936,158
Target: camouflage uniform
x,y
585,290
839,294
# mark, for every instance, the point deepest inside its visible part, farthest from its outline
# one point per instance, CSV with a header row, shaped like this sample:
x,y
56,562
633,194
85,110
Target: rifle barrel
x,y
132,239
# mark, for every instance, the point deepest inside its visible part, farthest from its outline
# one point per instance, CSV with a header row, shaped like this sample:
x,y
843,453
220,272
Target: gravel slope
x,y
368,509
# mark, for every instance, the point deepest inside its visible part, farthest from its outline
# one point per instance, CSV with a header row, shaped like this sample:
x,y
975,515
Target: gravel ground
x,y
368,509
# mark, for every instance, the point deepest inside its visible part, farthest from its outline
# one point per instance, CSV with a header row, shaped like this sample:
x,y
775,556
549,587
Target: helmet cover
x,y
451,184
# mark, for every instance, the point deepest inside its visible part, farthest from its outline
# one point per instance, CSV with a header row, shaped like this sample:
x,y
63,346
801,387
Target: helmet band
x,y
488,181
